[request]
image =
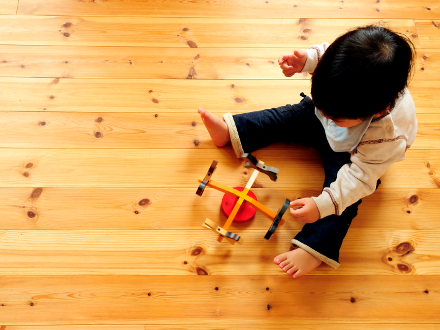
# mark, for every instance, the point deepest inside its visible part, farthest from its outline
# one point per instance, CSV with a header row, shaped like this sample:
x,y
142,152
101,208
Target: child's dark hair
x,y
362,72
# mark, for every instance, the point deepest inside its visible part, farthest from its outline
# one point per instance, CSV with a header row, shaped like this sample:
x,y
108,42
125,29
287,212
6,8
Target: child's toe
x,y
287,267
292,270
284,263
280,258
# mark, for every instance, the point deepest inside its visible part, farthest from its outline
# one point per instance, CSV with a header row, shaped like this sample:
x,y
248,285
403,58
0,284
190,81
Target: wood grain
x,y
429,33
113,299
170,95
149,208
100,224
197,252
164,63
8,7
426,9
182,32
137,130
210,326
300,168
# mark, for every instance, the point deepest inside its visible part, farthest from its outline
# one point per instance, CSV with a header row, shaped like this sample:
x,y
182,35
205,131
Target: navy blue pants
x,y
298,123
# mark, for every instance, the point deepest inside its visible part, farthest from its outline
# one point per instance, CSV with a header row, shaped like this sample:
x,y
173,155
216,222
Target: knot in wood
x,y
404,248
31,214
29,165
413,199
403,268
99,120
36,193
197,251
192,44
353,300
144,202
201,271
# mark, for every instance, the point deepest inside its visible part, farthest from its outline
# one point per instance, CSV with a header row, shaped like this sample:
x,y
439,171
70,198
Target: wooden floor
x,y
101,150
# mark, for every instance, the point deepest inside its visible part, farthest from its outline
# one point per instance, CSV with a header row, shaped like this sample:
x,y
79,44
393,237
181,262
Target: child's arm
x,y
304,60
358,179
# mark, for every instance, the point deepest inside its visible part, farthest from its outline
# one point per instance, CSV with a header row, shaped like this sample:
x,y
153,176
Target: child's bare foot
x,y
216,127
297,262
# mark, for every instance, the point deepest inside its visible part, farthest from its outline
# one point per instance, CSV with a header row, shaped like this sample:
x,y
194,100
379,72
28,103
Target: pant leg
x,y
290,123
323,238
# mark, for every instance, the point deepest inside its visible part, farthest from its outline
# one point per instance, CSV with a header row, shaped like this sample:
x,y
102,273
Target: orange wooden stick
x,y
230,191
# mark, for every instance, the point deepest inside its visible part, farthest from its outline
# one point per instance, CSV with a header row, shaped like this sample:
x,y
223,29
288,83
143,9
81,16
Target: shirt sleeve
x,y
358,179
314,54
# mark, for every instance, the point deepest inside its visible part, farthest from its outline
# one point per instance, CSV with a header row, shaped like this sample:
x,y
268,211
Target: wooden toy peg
x,y
232,238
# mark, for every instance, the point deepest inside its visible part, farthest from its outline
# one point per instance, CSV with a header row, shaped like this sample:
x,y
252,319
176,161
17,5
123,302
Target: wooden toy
x,y
258,166
246,210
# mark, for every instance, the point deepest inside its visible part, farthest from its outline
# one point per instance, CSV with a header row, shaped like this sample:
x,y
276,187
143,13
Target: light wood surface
x,y
101,150
115,208
423,9
106,300
183,32
8,7
139,130
165,63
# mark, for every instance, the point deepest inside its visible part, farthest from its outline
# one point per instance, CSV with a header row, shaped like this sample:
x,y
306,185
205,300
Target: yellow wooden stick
x,y
230,191
239,202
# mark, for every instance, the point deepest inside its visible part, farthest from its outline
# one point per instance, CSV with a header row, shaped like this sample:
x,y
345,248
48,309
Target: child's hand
x,y
307,212
292,63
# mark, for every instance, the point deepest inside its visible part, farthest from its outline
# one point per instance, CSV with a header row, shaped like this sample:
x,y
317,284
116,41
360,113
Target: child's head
x,y
362,73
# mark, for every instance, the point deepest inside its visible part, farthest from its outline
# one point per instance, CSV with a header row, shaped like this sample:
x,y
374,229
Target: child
x,y
361,118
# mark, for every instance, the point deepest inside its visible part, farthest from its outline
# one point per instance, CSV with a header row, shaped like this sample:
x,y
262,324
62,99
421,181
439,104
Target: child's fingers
x,y
299,53
297,202
298,213
283,58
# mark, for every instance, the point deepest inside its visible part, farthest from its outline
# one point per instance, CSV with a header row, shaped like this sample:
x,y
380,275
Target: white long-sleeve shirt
x,y
374,146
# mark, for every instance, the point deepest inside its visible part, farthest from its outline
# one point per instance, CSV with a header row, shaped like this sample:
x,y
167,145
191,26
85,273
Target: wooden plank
x,y
135,130
207,326
338,326
174,168
384,9
117,299
162,63
186,252
169,95
181,32
109,168
149,208
8,7
95,327
88,327
428,32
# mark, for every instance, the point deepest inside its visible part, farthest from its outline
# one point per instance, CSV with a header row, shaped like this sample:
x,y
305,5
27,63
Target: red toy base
x,y
246,211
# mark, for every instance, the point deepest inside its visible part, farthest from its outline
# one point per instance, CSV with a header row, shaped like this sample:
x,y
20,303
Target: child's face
x,y
343,122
